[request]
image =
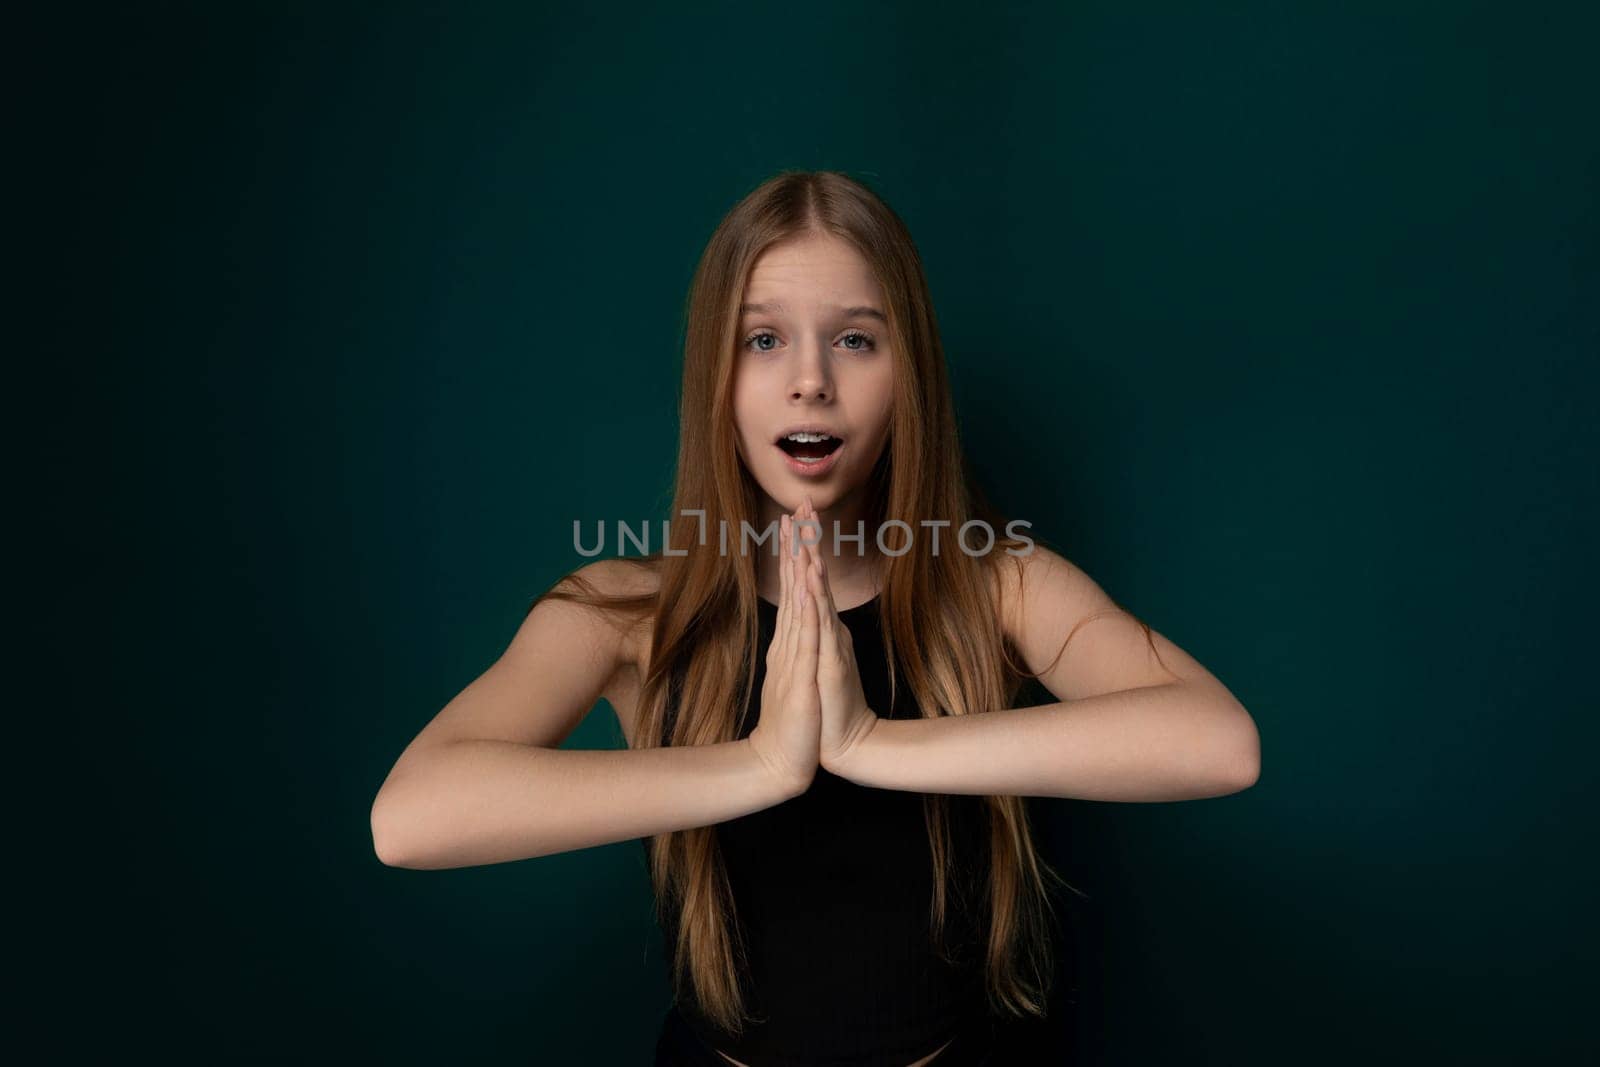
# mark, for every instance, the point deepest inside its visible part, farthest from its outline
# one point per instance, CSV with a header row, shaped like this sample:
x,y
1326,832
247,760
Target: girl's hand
x,y
846,719
788,731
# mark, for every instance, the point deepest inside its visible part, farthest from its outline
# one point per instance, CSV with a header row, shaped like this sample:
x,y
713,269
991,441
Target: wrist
x,y
788,781
852,748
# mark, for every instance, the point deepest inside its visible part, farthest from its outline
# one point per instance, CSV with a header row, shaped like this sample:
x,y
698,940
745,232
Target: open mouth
x,y
810,447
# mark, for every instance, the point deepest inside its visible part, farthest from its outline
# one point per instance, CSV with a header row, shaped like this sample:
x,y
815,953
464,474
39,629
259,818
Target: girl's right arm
x,y
485,782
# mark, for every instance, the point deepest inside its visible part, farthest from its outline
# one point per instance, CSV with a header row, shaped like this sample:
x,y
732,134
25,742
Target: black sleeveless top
x,y
833,894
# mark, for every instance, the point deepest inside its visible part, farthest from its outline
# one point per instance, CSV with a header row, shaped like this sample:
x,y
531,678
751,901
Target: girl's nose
x,y
811,380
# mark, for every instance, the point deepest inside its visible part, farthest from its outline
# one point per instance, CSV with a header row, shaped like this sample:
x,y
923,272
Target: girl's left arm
x,y
1125,728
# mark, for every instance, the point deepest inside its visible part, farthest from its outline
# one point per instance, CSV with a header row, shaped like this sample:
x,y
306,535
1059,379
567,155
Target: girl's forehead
x,y
813,252
832,273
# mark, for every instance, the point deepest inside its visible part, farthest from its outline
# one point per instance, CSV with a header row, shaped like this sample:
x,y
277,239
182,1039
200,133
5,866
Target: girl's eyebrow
x,y
862,310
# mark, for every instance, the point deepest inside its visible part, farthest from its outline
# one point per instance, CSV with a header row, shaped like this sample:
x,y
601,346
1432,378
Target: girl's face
x,y
813,354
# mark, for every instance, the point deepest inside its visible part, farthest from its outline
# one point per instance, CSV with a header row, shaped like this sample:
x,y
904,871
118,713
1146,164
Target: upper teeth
x,y
809,437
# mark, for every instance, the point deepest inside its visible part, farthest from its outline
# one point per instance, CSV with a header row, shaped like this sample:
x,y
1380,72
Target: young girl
x,y
824,757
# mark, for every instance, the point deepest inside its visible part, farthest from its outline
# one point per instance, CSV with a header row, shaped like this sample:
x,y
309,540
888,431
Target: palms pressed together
x,y
813,709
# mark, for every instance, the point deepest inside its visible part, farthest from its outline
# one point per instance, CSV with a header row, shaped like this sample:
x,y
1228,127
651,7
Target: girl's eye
x,y
855,341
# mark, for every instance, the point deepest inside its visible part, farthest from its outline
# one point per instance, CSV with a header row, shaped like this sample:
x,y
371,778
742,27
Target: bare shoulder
x,y
615,578
630,635
1080,639
1044,574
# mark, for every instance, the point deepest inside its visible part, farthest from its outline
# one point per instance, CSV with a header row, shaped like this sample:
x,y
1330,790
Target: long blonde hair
x,y
939,612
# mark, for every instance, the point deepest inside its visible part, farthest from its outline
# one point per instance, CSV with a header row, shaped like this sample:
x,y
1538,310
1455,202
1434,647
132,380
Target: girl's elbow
x,y
1243,758
389,841
1247,773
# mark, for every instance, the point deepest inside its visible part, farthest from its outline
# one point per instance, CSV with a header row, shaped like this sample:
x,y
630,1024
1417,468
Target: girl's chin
x,y
789,493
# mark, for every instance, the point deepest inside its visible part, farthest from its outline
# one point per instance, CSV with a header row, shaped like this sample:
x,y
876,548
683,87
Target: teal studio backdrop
x,y
1280,320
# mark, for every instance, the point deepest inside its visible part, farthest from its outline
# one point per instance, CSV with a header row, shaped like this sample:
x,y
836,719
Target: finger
x,y
791,621
825,613
829,608
797,594
804,546
798,562
808,527
809,633
828,638
784,585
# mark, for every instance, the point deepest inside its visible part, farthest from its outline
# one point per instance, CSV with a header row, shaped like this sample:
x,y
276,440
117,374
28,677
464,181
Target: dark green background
x,y
1278,319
